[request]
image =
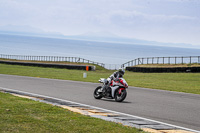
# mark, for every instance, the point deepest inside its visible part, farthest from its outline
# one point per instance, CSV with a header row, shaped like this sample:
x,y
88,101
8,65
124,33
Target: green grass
x,y
54,73
28,116
181,82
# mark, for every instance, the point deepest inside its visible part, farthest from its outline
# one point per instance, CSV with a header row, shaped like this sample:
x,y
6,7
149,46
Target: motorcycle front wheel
x,y
119,97
97,94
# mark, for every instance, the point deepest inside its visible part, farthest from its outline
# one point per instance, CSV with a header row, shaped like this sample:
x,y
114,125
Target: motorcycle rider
x,y
116,75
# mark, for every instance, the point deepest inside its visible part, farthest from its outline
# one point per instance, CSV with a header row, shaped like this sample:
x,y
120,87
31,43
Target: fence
x,y
112,66
163,60
138,61
50,58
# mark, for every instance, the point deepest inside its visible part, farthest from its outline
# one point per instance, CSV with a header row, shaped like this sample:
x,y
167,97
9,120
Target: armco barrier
x,y
163,70
78,67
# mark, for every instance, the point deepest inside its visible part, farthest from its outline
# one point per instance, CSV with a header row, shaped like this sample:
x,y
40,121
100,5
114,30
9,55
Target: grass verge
x,y
24,115
181,82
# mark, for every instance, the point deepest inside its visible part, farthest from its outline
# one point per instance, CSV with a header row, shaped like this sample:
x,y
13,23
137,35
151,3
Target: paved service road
x,y
170,107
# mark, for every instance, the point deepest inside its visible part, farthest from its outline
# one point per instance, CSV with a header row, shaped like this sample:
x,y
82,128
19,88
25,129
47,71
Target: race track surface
x,y
175,108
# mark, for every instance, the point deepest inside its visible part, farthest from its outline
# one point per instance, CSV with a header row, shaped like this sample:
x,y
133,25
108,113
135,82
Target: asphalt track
x,y
175,108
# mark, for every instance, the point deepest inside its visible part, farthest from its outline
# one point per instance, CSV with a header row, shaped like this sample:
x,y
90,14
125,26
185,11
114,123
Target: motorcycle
x,y
116,90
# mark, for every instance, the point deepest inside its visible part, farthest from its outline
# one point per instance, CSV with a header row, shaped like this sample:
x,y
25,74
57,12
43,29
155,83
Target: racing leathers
x,y
115,76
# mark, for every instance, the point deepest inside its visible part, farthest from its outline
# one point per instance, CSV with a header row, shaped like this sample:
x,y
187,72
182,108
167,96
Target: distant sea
x,y
103,52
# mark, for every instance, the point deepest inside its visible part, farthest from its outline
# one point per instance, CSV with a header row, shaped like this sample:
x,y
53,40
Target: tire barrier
x,y
164,70
66,66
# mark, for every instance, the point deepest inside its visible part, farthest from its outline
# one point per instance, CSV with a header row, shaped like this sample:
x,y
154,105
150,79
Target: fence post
x,y
198,59
152,59
163,60
157,60
182,60
190,60
175,60
169,60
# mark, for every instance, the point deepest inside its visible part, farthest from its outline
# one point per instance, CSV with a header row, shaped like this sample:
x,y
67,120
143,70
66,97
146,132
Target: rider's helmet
x,y
121,72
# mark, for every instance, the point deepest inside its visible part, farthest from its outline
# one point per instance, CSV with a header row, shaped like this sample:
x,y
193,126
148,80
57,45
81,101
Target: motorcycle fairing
x,y
114,88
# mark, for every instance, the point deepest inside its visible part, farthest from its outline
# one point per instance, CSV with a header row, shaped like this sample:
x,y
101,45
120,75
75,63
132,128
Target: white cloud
x,y
146,19
134,15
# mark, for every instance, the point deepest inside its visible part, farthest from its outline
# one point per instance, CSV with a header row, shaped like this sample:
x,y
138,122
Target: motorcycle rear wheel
x,y
96,94
120,97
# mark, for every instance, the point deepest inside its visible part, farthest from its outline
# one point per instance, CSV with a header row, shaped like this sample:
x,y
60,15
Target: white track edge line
x,y
102,109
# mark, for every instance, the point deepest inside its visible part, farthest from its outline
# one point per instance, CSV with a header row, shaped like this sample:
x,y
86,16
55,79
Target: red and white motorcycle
x,y
116,90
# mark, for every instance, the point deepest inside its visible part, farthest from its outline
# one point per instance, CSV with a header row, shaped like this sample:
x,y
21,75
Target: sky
x,y
173,21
